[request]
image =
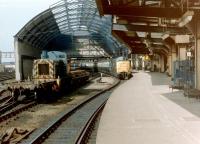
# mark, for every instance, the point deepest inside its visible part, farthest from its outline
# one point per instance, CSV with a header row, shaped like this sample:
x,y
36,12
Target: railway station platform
x,y
143,110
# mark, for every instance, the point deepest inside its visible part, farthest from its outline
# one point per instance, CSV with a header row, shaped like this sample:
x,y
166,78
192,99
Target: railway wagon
x,y
119,68
116,67
105,66
51,78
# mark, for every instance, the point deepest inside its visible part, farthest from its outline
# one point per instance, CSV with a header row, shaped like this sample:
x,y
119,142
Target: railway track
x,y
18,109
12,108
6,102
73,125
7,106
4,96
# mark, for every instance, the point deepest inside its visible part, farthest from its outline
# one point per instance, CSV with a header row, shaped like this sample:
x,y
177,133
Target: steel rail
x,y
51,127
87,130
17,111
6,107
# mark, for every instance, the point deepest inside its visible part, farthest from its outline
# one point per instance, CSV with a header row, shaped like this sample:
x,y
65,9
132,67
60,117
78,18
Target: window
x,y
43,69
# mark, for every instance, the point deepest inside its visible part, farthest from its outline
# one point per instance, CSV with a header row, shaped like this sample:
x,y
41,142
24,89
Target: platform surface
x,y
144,111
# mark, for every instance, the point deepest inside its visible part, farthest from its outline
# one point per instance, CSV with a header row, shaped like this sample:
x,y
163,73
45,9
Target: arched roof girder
x,y
68,17
39,29
73,14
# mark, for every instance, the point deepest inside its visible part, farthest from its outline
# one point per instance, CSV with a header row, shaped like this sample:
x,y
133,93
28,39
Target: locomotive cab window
x,y
43,69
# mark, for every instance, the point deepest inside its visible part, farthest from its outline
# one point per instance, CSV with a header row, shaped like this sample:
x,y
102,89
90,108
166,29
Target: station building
x,y
157,35
167,32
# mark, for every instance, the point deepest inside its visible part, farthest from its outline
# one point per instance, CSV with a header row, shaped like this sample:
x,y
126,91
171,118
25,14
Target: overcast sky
x,y
14,14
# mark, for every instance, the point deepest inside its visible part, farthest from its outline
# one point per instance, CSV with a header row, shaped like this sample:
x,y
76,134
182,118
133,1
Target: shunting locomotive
x,y
51,77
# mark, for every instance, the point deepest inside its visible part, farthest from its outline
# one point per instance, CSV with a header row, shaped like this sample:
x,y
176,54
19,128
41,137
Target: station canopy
x,y
66,22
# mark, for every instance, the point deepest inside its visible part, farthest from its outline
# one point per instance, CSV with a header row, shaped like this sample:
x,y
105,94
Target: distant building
x,y
2,68
8,66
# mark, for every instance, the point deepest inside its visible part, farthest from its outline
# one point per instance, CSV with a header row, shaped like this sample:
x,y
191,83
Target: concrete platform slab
x,y
144,111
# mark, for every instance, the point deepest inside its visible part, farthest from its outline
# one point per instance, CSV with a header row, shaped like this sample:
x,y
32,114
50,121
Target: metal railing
x,y
184,74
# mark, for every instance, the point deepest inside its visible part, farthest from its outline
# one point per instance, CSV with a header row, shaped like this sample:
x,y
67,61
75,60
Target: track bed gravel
x,y
40,114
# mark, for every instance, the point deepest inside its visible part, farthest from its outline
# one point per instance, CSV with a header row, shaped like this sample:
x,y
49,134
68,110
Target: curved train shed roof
x,y
69,17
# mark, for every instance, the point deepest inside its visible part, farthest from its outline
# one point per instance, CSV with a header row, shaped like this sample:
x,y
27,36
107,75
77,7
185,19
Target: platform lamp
x,y
190,69
186,18
0,57
165,36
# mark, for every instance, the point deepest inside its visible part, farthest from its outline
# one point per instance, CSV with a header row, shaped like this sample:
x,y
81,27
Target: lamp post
x,y
0,57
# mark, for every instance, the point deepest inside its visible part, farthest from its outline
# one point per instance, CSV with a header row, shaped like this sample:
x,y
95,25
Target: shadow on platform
x,y
159,78
191,105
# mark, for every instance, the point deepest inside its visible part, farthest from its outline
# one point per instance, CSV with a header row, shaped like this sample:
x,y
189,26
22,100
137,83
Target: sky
x,y
14,14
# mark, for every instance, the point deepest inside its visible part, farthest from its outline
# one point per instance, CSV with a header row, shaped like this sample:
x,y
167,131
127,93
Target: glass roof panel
x,y
70,17
59,10
72,12
73,16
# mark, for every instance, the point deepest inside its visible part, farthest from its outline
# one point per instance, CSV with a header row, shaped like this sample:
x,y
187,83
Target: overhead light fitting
x,y
186,18
165,36
182,38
